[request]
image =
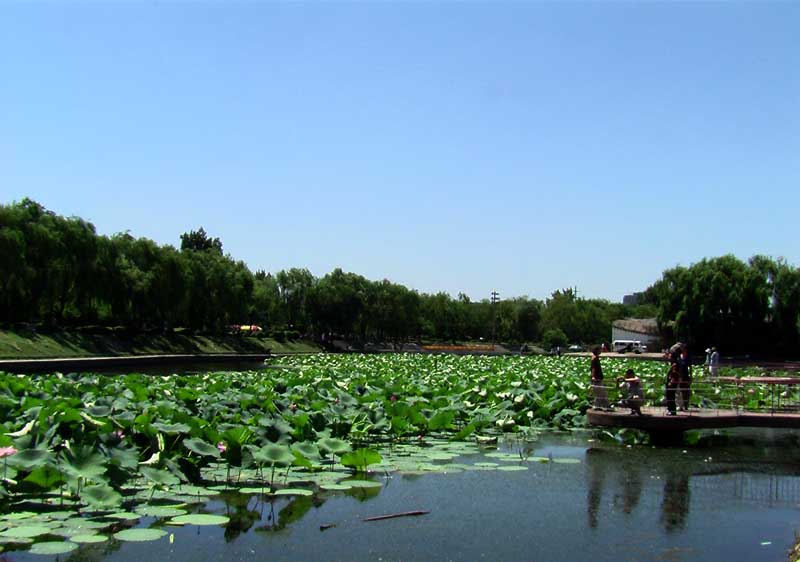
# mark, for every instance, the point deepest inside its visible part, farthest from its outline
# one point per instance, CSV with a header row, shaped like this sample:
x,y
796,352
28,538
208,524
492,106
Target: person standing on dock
x,y
673,380
600,392
713,362
685,370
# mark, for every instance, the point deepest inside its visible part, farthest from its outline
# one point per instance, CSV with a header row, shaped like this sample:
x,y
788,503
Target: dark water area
x,y
727,498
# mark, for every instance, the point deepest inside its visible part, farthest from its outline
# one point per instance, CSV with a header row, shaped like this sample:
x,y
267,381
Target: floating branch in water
x,y
393,515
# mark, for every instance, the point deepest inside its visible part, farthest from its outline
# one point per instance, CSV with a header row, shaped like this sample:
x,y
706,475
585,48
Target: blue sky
x,y
448,146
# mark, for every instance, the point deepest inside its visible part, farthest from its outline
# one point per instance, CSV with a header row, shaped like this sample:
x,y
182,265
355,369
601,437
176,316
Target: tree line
x,y
58,272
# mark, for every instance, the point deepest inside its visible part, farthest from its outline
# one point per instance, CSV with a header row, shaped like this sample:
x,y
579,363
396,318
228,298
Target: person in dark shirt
x,y
600,392
673,380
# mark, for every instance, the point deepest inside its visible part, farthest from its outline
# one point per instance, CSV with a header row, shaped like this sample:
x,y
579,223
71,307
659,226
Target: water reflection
x,y
629,485
631,474
675,505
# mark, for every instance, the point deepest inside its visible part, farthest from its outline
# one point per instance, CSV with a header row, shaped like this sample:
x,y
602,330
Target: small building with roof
x,y
643,329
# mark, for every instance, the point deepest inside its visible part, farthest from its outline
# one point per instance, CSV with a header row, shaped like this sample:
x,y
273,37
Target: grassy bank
x,y
31,345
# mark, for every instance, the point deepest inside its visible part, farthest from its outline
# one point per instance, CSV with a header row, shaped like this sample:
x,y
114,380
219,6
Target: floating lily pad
x,y
254,490
200,519
335,487
539,459
26,531
88,539
293,492
53,547
15,540
124,515
567,461
69,532
140,535
487,464
82,523
363,484
513,468
159,511
60,515
17,516
188,490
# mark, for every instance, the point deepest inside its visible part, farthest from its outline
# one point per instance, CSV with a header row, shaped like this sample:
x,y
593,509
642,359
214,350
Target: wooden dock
x,y
656,420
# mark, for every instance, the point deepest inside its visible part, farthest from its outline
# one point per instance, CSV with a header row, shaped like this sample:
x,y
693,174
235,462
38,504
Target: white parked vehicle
x,y
623,346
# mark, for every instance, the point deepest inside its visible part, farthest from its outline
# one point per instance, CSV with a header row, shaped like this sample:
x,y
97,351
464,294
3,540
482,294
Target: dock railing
x,y
720,395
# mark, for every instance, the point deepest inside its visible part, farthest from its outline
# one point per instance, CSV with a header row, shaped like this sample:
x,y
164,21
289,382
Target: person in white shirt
x,y
713,364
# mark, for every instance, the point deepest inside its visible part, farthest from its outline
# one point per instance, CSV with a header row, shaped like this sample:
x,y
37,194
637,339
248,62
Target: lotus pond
x,y
287,462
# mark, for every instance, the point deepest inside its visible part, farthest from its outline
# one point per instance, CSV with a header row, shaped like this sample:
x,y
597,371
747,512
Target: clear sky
x,y
448,146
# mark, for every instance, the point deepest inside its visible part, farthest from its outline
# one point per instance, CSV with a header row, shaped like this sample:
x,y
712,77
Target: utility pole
x,y
495,299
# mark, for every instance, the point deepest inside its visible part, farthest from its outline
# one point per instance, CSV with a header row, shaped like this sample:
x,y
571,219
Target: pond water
x,y
734,498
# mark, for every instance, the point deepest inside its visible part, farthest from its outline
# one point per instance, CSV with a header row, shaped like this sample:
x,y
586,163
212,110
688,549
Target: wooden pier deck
x,y
656,420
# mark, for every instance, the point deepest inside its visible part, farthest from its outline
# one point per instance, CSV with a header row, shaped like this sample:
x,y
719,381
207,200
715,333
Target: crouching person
x,y
631,390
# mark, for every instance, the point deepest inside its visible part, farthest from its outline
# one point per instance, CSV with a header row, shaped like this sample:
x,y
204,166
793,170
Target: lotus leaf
x,y
88,539
101,496
50,548
201,448
160,511
140,535
159,476
360,459
29,459
26,531
200,519
293,492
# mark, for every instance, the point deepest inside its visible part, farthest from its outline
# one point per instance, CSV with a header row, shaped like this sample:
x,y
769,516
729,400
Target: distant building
x,y
633,299
643,329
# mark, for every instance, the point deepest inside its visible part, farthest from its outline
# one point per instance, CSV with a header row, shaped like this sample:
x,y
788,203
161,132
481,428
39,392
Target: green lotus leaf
x,y
53,547
443,419
360,459
15,540
45,477
566,460
159,476
335,487
140,535
101,496
274,455
362,484
172,428
69,532
160,511
513,468
26,531
29,459
84,462
254,490
124,516
200,519
202,448
17,516
334,446
88,539
190,490
83,523
293,492
307,449
99,411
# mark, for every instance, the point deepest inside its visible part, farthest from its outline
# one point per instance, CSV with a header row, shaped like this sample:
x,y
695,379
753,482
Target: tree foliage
x,y
58,271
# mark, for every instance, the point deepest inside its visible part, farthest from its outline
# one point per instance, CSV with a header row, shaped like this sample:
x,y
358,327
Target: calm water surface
x,y
734,500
